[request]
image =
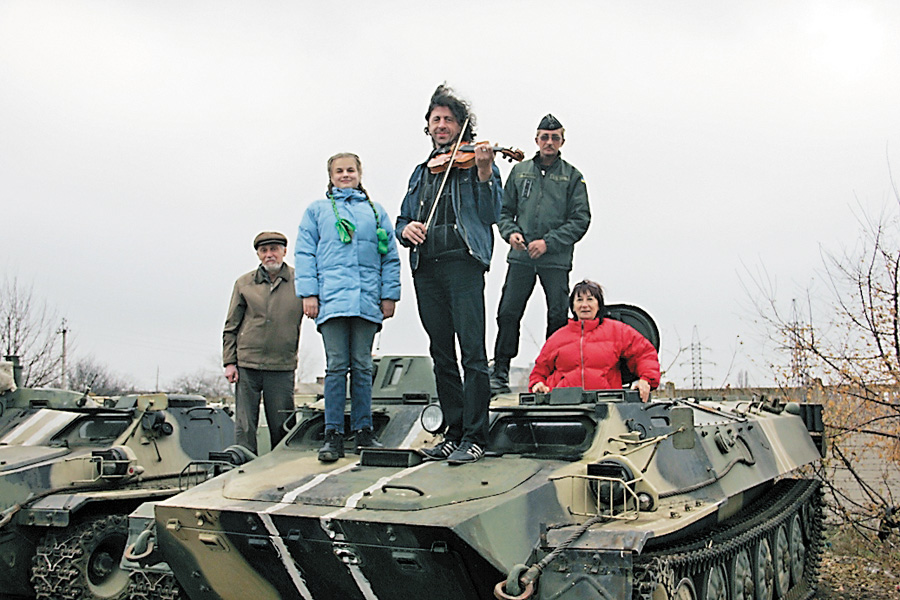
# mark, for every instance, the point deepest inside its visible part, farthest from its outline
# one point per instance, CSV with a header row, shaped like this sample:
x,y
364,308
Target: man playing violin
x,y
545,211
445,220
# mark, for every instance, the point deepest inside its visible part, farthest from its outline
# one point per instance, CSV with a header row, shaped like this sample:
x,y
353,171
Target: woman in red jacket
x,y
586,352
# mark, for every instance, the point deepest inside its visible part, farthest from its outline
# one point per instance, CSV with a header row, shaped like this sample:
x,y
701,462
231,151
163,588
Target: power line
x,y
798,333
697,360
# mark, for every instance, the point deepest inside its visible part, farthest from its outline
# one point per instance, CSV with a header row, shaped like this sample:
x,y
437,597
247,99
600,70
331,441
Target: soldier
x,y
545,211
449,255
260,339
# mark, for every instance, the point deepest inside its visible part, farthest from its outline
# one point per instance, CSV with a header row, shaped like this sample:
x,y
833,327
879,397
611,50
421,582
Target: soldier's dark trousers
x,y
517,288
277,390
450,297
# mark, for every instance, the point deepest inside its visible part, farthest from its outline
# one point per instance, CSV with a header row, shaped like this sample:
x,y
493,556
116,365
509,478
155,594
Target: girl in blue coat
x,y
348,275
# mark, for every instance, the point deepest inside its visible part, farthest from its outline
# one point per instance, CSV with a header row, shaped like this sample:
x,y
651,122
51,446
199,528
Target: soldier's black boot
x,y
500,376
333,448
365,438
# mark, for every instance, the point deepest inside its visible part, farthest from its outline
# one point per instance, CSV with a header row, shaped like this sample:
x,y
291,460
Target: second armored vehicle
x,y
73,467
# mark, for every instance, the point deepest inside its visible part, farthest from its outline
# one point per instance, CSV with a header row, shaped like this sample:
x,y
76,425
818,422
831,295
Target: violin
x,y
465,157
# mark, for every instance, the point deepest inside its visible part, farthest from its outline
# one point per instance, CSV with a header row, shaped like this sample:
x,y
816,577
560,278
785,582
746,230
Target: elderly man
x,y
259,342
545,211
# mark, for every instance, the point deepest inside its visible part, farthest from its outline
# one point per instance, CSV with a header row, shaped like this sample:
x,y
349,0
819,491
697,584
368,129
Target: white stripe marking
x,y
414,432
289,564
50,427
289,497
358,576
353,500
362,583
355,571
45,420
21,429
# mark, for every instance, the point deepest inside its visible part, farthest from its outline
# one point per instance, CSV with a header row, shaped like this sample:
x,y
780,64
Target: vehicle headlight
x,y
432,418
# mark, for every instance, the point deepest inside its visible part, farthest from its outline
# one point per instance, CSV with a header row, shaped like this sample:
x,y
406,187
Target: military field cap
x,y
549,122
269,237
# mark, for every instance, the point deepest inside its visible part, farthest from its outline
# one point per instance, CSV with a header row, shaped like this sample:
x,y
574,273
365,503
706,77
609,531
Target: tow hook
x,y
519,584
142,547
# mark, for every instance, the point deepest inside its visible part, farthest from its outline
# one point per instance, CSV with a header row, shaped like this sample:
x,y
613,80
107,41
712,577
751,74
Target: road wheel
x,y
742,577
715,584
798,550
782,561
764,571
81,562
685,590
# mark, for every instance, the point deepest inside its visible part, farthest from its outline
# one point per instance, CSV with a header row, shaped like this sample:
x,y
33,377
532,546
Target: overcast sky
x,y
144,144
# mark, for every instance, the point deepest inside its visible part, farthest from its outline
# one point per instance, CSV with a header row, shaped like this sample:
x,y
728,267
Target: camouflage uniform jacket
x,y
262,329
551,206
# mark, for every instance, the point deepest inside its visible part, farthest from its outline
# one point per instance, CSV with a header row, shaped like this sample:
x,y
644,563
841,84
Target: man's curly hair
x,y
444,95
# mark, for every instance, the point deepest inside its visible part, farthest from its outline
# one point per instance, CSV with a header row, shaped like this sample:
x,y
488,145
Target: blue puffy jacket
x,y
477,207
350,279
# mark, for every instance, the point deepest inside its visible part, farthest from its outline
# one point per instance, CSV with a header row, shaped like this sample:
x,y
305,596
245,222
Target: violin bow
x,y
446,174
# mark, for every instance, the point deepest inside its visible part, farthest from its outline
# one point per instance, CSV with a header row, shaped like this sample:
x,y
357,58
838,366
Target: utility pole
x,y
63,330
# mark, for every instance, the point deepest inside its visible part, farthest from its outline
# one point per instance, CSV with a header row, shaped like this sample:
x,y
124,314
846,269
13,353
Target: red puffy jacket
x,y
586,354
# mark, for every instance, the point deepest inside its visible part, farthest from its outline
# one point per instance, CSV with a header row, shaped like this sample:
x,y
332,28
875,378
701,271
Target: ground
x,y
852,571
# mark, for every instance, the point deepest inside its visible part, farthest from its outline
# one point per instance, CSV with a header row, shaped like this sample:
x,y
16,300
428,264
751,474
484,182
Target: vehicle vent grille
x,y
389,457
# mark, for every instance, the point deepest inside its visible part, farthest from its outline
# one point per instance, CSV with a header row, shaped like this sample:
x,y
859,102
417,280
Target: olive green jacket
x,y
262,328
553,207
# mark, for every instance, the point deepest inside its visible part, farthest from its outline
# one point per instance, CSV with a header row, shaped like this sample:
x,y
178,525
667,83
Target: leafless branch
x,y
28,329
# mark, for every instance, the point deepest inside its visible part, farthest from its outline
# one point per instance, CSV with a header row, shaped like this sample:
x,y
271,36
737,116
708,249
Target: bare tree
x,y
851,344
88,375
206,382
28,329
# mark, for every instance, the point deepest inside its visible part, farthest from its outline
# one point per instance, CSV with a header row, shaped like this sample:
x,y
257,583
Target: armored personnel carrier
x,y
403,386
583,495
71,469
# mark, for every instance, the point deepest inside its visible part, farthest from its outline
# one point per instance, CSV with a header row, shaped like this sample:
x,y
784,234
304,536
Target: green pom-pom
x,y
382,240
345,230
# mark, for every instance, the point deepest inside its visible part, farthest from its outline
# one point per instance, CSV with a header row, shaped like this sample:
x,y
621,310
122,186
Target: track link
x,y
146,585
666,567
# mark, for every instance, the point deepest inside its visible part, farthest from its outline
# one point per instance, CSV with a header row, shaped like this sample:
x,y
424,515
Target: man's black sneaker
x,y
441,451
365,438
466,453
333,448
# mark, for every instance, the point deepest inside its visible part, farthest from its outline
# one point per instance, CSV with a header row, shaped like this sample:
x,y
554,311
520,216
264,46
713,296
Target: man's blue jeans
x,y
348,348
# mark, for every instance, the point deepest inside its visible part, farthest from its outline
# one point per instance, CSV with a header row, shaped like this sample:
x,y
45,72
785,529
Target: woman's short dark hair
x,y
445,96
587,286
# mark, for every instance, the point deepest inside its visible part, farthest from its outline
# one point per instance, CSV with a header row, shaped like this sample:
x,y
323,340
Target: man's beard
x,y
272,268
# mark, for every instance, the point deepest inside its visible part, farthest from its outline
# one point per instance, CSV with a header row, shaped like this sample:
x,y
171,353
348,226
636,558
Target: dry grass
x,y
854,569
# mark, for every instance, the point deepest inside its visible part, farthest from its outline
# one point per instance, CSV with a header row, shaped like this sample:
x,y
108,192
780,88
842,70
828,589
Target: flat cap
x,y
549,122
269,237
